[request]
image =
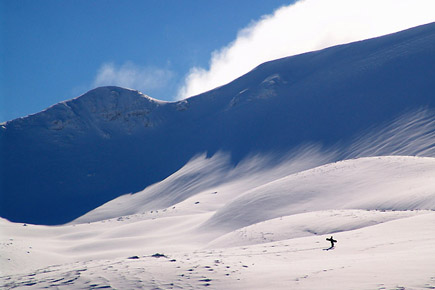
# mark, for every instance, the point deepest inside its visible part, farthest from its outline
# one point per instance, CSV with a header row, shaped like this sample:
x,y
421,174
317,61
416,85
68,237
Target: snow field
x,y
259,229
391,255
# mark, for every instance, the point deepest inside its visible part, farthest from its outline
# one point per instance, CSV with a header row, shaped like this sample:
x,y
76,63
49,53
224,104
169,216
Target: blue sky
x,y
54,50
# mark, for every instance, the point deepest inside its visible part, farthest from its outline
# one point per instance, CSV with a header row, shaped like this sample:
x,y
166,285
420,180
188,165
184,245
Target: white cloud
x,y
305,26
129,75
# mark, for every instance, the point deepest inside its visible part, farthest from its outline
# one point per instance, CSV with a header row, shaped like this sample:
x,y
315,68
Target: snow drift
x,y
249,233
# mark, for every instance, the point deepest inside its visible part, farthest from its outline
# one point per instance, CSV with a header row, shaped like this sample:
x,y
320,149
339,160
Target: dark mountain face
x,y
59,164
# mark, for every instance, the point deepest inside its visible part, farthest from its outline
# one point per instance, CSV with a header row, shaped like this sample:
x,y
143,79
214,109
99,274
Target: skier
x,y
331,239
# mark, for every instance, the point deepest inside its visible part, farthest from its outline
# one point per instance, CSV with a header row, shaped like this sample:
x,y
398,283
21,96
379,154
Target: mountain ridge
x,y
326,98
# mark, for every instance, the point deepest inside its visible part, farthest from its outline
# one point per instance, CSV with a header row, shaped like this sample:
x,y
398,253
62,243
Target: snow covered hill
x,y
247,195
263,230
347,101
236,188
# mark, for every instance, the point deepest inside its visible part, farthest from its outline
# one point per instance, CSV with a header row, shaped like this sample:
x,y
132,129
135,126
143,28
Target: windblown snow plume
x,y
305,26
411,134
202,174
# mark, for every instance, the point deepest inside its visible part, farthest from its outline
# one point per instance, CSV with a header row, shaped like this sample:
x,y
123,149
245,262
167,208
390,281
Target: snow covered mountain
x,y
368,98
237,188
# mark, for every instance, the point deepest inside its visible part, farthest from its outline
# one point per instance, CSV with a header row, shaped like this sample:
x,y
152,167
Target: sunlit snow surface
x,y
263,229
237,188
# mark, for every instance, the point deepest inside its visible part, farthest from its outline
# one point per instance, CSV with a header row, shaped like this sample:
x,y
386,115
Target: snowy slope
x,y
73,157
237,188
392,255
406,183
240,235
254,196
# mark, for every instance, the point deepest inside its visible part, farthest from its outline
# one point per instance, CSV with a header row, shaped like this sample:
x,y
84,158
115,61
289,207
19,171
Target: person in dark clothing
x,y
331,239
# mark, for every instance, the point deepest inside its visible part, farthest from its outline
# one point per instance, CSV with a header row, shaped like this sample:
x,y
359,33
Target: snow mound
x,y
211,181
375,183
255,203
316,223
